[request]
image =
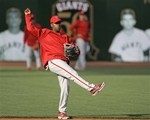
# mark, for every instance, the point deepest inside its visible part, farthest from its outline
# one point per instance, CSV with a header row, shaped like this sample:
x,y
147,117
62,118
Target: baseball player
x,y
11,40
32,45
81,30
55,49
130,43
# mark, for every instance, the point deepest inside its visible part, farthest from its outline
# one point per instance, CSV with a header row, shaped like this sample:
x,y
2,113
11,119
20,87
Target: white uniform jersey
x,y
148,32
130,47
11,46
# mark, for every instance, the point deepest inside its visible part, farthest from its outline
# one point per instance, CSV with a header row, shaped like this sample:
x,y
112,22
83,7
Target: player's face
x,y
81,17
128,22
13,20
56,26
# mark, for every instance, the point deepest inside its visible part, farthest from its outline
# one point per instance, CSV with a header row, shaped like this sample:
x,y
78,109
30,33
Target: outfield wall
x,y
105,15
94,64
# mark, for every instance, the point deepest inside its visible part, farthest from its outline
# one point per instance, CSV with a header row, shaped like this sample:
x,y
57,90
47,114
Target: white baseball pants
x,y
83,46
29,51
65,74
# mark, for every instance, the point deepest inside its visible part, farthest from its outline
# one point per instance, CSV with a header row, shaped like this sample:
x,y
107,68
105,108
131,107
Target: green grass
x,y
36,94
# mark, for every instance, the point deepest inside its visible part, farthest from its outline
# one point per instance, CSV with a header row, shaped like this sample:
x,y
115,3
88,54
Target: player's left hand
x,y
70,50
27,11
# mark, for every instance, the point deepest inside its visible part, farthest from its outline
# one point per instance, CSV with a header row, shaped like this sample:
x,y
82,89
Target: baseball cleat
x,y
97,88
38,69
28,69
63,115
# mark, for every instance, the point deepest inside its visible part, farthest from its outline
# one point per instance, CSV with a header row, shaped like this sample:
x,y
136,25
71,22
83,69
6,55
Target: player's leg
x,y
81,61
64,94
61,68
37,59
28,57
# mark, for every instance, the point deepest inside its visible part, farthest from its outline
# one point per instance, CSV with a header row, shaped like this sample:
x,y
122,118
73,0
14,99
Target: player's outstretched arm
x,y
30,27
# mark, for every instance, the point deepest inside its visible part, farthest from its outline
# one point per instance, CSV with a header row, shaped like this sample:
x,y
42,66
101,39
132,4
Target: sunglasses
x,y
58,22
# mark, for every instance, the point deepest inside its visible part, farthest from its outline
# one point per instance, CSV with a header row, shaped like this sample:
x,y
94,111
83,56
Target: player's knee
x,y
72,75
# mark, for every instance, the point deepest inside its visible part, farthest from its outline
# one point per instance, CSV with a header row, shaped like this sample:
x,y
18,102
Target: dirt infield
x,y
89,64
71,119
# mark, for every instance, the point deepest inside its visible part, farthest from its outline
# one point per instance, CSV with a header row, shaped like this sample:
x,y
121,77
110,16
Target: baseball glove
x,y
70,50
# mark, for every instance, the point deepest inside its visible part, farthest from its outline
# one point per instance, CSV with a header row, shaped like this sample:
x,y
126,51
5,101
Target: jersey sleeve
x,y
31,28
115,47
25,34
145,41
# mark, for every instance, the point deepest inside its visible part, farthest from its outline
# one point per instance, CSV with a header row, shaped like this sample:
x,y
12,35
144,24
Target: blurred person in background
x,y
11,40
32,46
81,31
130,43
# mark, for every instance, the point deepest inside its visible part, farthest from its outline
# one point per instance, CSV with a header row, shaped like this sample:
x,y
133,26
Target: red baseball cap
x,y
55,19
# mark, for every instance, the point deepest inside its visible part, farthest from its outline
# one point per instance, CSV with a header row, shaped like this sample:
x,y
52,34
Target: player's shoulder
x,y
119,35
4,32
21,32
65,36
147,31
46,31
37,25
138,31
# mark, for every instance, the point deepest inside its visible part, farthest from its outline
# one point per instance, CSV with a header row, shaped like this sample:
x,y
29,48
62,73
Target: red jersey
x,y
29,38
81,27
51,43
